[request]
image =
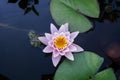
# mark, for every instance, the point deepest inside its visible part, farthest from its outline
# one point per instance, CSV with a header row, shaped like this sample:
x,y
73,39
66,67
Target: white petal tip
x,y
77,32
39,38
48,49
43,40
56,60
79,49
53,28
66,24
69,56
64,28
74,34
55,65
51,25
72,59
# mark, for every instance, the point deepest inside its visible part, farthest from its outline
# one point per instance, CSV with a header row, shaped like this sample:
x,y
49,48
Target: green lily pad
x,y
63,13
87,7
105,75
85,65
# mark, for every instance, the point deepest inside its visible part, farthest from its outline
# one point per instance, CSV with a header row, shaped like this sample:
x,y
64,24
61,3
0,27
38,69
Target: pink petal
x,y
55,53
67,34
56,60
48,49
72,48
43,40
50,43
64,28
69,55
66,50
74,35
53,28
62,53
48,36
79,49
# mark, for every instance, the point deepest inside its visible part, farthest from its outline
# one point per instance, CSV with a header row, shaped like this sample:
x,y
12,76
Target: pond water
x,y
20,61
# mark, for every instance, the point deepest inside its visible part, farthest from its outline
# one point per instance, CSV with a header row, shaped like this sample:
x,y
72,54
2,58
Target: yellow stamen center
x,y
60,42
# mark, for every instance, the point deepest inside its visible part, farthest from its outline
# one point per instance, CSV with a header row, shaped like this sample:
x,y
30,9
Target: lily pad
x,y
105,75
87,7
62,13
85,65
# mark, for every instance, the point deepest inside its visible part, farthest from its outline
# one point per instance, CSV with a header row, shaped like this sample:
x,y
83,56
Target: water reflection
x,y
110,10
113,51
2,77
26,5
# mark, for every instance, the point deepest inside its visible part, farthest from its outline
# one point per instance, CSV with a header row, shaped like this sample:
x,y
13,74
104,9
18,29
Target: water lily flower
x,y
60,43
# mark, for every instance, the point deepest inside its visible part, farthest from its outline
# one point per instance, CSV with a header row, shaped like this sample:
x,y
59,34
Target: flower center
x,y
60,42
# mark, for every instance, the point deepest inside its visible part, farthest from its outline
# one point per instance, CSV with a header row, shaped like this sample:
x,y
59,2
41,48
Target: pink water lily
x,y
60,43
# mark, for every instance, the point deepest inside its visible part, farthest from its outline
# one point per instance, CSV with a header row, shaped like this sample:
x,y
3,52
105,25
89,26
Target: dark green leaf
x,y
62,13
87,7
83,67
107,74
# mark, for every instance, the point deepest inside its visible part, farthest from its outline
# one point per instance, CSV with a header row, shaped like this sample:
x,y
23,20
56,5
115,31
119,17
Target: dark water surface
x,y
20,61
